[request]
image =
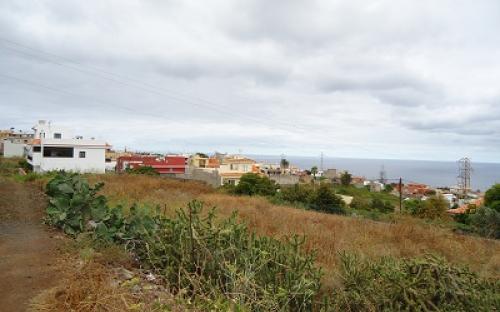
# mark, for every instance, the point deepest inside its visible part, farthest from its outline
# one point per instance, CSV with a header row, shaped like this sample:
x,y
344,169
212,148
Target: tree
x,y
253,184
492,197
284,164
346,178
314,171
324,199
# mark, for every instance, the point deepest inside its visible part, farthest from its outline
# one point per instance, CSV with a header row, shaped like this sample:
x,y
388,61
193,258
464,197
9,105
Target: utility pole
x,y
400,195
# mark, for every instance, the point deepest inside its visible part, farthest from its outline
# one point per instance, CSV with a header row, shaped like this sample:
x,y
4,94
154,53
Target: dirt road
x,y
28,252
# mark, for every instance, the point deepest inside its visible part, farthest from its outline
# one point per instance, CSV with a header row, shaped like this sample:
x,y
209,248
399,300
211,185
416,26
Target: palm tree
x,y
314,171
284,164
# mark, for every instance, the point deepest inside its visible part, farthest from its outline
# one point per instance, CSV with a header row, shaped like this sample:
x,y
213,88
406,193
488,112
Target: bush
x,y
147,170
301,194
207,260
254,184
324,199
421,284
486,222
360,203
492,197
434,207
381,206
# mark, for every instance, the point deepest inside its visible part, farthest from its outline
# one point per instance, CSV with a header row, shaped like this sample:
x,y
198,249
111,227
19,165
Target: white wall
x,y
94,161
13,149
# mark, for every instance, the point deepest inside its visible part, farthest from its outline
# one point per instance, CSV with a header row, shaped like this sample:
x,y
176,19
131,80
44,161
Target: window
x,y
37,149
57,135
82,154
57,152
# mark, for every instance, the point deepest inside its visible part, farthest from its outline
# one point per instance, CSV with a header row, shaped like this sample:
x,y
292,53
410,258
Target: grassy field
x,y
327,234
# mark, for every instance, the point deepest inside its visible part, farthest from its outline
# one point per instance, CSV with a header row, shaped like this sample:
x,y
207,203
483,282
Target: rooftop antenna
x,y
464,174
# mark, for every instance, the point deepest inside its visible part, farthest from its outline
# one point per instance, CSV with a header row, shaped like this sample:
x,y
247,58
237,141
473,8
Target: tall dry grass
x,y
327,234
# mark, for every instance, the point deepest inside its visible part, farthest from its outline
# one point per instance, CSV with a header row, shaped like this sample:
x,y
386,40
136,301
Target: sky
x,y
363,79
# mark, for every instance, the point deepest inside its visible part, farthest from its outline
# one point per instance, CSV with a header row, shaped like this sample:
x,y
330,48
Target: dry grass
x,y
89,288
91,282
169,193
327,234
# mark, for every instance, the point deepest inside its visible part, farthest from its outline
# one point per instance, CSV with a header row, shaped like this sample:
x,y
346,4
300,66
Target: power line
x,y
127,81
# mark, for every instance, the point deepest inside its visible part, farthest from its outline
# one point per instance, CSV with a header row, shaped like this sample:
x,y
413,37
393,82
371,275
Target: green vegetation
x,y
147,170
322,198
434,207
485,222
426,284
225,264
492,197
212,264
325,200
226,260
76,208
254,184
314,171
345,178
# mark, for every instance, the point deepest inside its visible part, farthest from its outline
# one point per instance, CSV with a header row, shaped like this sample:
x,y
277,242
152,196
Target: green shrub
x,y
492,197
381,206
147,170
360,203
486,222
324,199
297,194
206,259
435,207
421,284
254,184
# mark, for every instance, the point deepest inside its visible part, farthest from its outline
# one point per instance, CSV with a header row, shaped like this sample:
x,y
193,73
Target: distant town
x,y
47,147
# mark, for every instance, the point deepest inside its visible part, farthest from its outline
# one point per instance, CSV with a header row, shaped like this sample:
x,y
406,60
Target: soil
x,y
28,250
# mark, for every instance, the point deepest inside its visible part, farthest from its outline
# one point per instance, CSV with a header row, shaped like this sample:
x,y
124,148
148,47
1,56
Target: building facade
x,y
55,149
167,165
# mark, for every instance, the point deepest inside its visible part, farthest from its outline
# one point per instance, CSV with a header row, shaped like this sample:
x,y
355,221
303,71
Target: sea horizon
x,y
436,173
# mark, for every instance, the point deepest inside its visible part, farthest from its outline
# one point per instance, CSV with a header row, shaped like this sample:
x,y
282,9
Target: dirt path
x,y
28,251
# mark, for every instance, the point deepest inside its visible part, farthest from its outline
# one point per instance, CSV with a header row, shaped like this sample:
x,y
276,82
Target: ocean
x,y
434,173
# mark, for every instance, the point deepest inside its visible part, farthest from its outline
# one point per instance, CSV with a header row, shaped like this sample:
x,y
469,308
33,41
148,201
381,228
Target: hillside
x,y
325,233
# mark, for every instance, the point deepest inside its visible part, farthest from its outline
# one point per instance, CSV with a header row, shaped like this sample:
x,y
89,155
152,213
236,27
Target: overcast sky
x,y
364,79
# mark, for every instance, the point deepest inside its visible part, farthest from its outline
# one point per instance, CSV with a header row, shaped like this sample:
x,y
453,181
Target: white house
x,y
56,149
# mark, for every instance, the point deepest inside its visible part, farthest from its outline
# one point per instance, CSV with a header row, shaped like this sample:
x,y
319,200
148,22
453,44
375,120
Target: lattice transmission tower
x,y
464,174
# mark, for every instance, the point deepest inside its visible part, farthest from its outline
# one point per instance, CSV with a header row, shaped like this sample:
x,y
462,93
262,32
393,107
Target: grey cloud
x,y
261,75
